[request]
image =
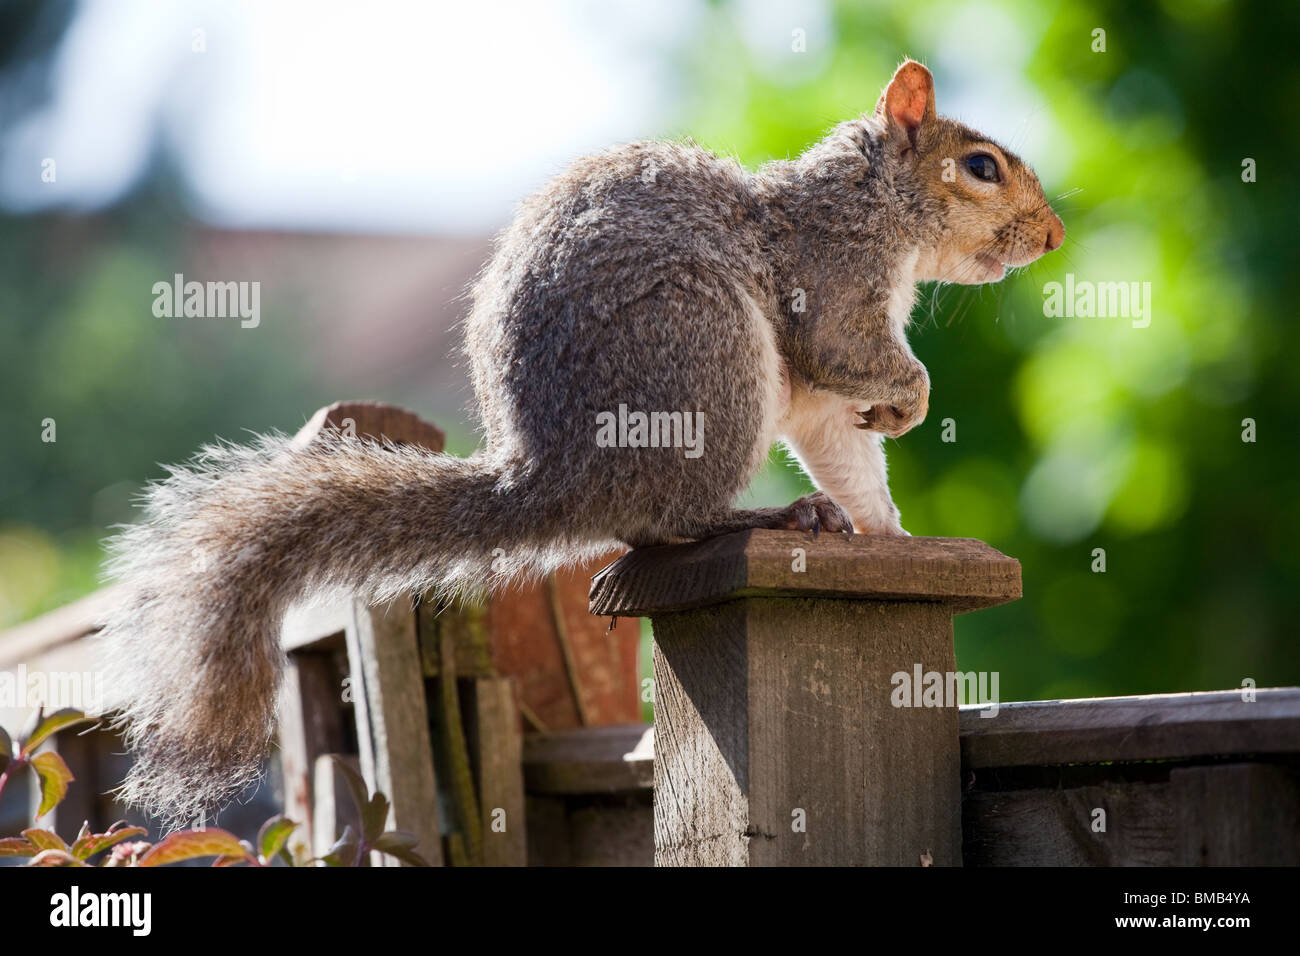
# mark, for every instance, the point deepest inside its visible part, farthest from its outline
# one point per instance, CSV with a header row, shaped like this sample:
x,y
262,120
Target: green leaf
x,y
55,777
360,793
92,843
192,844
399,844
16,846
54,858
44,839
273,834
6,750
59,720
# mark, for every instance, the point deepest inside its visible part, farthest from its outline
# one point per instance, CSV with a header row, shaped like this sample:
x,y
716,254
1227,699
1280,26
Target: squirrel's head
x,y
989,207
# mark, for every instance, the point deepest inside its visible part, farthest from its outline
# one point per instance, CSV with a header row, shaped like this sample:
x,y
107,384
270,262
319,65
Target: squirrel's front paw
x,y
890,419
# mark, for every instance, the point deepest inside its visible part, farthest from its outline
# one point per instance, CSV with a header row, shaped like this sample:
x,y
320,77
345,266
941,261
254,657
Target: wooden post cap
x,y
374,420
962,573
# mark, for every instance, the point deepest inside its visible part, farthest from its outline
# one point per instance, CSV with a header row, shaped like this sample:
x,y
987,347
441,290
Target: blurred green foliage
x,y
1072,434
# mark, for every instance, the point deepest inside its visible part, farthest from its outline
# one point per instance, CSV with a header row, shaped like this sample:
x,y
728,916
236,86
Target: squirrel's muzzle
x,y
1055,232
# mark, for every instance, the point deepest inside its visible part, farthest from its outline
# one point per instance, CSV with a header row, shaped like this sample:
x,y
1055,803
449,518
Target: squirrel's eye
x,y
983,166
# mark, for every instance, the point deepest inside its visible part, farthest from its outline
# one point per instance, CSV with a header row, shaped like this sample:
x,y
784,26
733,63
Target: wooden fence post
x,y
777,670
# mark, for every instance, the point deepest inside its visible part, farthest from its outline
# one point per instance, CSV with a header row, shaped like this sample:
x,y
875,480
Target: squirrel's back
x,y
635,278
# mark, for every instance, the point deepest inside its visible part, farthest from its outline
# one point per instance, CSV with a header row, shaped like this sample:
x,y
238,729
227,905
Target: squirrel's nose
x,y
1055,233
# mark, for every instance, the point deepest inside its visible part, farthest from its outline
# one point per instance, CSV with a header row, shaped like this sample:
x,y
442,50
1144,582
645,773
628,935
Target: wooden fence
x,y
803,715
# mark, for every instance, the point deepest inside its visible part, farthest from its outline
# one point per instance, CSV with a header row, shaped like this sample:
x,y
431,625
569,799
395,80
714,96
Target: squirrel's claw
x,y
817,513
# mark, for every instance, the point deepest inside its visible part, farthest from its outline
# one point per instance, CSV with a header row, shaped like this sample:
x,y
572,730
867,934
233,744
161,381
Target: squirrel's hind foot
x,y
815,513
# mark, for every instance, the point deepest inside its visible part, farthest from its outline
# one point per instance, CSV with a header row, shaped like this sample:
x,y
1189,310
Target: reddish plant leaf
x,y
192,844
44,839
16,846
87,846
55,777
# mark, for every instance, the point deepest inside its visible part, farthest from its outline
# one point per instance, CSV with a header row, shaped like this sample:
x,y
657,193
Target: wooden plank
x,y
496,752
307,625
1055,827
701,738
526,645
1243,814
549,842
962,573
396,754
611,831
1238,814
776,743
311,724
69,623
591,830
1150,727
375,420
609,759
470,637
462,820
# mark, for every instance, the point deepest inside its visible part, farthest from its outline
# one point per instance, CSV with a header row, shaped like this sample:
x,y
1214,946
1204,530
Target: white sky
x,y
441,116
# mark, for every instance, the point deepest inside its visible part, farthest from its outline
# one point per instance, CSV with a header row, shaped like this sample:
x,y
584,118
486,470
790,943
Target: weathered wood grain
x,y
1236,814
375,420
776,742
962,573
591,830
1240,814
496,753
609,759
393,720
1150,727
311,724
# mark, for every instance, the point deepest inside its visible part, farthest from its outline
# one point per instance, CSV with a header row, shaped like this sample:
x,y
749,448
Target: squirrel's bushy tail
x,y
229,542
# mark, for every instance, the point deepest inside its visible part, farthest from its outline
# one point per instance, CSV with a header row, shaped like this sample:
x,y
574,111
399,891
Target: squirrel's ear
x,y
908,100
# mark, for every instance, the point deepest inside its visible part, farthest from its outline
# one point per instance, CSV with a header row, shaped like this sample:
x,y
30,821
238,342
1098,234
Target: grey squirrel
x,y
655,277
